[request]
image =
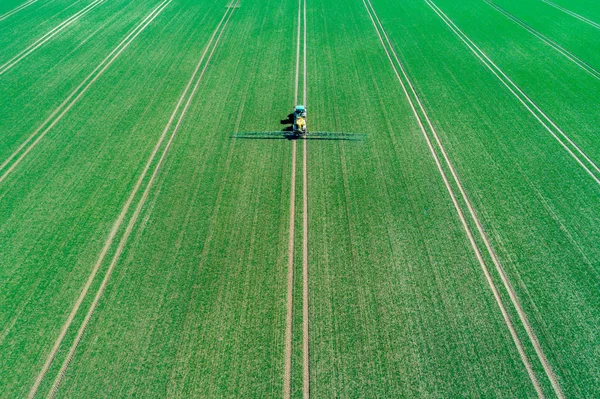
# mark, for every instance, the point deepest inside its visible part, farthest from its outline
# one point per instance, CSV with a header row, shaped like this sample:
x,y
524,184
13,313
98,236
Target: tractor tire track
x,y
186,97
512,294
425,121
305,293
21,152
17,9
287,368
123,242
305,296
289,318
575,15
569,145
48,36
142,202
566,53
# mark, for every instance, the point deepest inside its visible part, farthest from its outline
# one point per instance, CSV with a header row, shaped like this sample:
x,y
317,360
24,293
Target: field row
x,y
128,273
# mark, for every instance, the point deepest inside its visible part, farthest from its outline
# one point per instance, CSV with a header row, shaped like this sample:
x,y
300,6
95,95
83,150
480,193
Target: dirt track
x,y
287,370
574,15
300,44
461,215
25,147
48,36
16,10
563,51
499,268
305,293
523,98
188,94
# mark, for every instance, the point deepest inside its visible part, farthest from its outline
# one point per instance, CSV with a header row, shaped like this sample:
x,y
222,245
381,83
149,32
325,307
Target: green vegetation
x,y
194,304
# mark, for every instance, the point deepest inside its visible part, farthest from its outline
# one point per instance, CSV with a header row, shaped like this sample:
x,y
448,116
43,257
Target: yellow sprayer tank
x,y
301,122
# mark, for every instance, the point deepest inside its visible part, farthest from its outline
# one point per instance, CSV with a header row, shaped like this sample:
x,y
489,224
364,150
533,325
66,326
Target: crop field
x,y
156,242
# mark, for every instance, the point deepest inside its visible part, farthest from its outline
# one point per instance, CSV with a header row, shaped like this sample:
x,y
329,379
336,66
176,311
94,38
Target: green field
x,y
146,252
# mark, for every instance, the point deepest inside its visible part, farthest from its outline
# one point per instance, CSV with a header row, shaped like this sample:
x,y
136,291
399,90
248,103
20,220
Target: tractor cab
x,y
300,110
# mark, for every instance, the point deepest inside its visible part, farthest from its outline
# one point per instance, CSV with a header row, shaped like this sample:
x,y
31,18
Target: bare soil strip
x,y
135,216
287,368
305,312
571,13
402,78
524,320
48,36
569,145
16,10
188,93
25,147
305,296
564,52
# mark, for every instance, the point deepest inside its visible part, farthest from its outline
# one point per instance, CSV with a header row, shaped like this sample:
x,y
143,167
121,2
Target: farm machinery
x,y
299,126
299,130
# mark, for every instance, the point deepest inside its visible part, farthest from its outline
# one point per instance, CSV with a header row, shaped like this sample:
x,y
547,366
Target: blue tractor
x,y
300,120
298,130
